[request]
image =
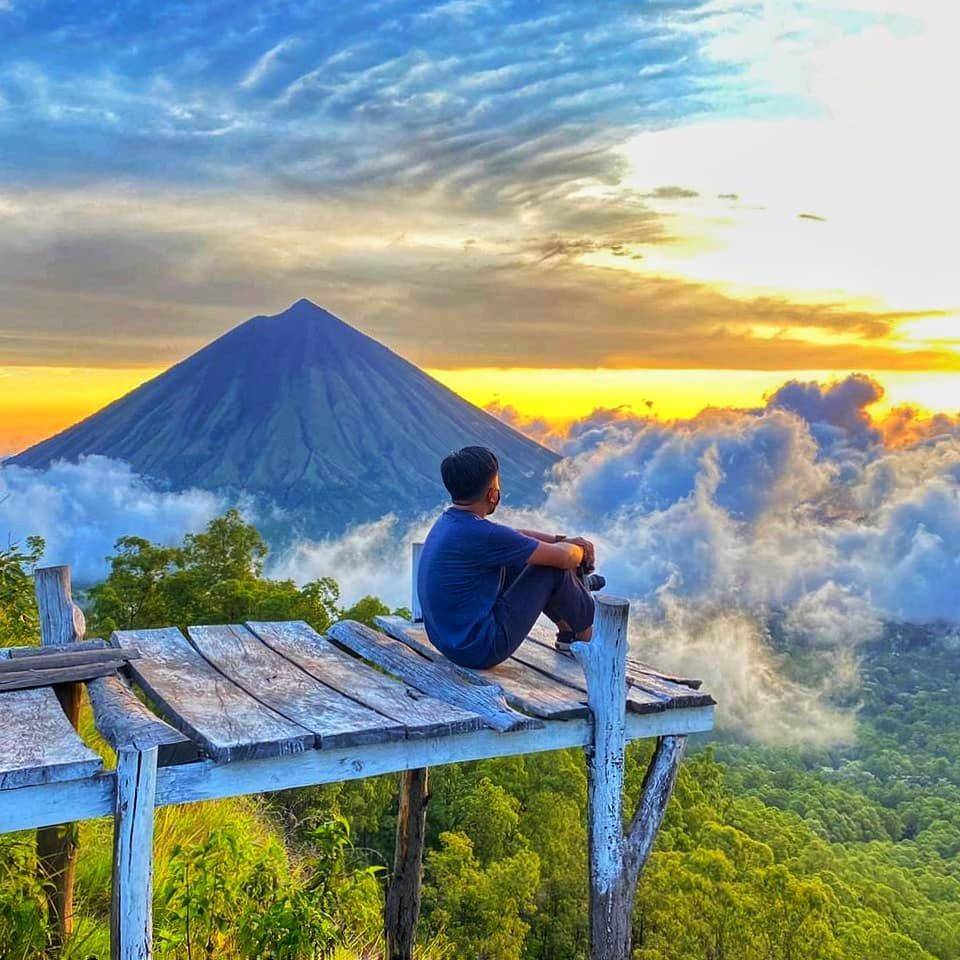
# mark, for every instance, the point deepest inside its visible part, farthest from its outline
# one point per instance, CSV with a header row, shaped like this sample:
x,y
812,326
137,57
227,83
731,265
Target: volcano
x,y
302,412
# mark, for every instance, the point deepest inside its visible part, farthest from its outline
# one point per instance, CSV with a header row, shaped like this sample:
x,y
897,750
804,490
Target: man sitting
x,y
482,584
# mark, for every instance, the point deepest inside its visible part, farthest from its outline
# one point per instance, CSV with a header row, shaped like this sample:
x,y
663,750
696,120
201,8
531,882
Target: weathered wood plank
x,y
636,669
679,694
37,742
564,668
46,659
34,651
422,715
50,803
131,906
524,688
437,679
202,703
128,724
282,686
30,679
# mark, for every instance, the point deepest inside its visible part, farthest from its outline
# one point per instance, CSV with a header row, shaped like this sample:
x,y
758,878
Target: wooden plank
x,y
30,678
202,703
636,668
524,688
566,669
35,651
437,679
37,742
50,804
192,782
45,659
131,904
126,723
282,686
647,689
679,694
422,715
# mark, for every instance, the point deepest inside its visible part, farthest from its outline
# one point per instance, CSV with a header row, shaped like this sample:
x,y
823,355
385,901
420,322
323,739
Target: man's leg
x,y
536,590
572,607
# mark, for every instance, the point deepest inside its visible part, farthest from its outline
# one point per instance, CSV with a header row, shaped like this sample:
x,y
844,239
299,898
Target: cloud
x,y
907,426
672,193
369,559
792,523
353,98
265,63
736,534
170,175
117,276
81,509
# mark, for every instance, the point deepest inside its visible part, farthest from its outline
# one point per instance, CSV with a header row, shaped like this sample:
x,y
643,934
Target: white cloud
x,y
266,63
81,509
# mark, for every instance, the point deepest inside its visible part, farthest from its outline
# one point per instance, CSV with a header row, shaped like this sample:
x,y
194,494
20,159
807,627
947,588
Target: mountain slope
x,y
302,410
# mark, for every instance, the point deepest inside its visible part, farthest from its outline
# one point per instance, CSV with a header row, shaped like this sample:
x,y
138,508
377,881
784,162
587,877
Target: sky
x,y
552,206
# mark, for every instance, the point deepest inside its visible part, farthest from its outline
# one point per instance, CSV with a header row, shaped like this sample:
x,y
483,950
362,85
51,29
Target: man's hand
x,y
589,552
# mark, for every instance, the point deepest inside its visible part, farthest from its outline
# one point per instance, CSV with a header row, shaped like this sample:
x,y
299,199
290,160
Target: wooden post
x,y
415,608
131,908
403,895
61,622
402,910
615,859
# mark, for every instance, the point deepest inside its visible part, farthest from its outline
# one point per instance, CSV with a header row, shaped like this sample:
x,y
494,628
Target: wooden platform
x,y
264,706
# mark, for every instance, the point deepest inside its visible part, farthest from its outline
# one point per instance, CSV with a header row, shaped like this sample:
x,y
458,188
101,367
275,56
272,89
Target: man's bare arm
x,y
589,551
566,556
542,537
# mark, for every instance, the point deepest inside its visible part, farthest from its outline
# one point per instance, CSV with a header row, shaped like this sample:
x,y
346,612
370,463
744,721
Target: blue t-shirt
x,y
461,571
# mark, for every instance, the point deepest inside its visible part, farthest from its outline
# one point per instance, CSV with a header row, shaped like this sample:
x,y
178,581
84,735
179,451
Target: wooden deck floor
x,y
263,706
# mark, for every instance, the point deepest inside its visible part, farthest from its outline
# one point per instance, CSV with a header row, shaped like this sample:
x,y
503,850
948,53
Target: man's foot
x,y
564,639
593,581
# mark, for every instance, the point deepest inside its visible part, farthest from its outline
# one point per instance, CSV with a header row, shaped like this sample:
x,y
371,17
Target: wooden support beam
x,y
131,908
615,859
48,803
61,623
402,907
402,910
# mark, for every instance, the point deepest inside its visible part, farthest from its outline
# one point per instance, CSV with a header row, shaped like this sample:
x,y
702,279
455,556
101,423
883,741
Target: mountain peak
x,y
305,307
302,410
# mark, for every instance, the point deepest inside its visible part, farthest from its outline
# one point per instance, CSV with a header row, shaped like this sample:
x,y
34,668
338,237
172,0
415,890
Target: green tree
x,y
18,606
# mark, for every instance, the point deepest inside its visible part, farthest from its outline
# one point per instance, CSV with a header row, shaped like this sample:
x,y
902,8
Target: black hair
x,y
468,472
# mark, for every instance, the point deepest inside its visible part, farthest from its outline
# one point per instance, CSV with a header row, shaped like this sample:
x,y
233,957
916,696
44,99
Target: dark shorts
x,y
526,592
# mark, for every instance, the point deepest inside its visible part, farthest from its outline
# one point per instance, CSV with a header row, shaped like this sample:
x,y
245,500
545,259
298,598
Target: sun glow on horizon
x,y
563,395
37,402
